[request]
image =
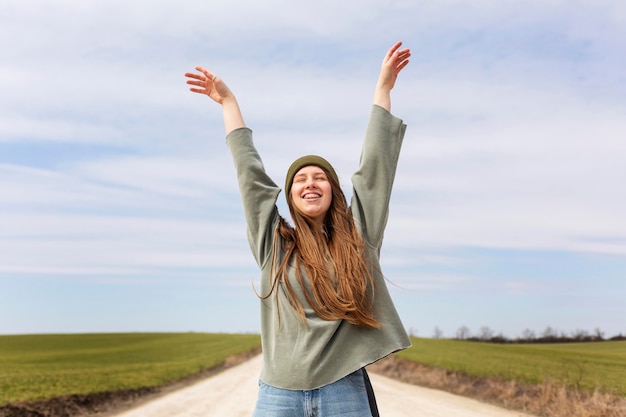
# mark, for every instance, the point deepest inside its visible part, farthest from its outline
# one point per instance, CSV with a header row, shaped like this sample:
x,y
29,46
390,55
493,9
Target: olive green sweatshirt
x,y
301,356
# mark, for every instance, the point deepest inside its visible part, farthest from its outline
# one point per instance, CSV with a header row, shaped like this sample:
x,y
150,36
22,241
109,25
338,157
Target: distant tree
x,y
499,338
485,333
463,332
580,335
550,333
599,334
437,333
528,335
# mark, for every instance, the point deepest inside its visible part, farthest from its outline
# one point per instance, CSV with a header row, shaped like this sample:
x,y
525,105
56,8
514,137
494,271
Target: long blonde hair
x,y
334,261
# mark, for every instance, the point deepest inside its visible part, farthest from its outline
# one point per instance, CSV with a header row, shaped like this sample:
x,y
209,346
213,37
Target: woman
x,y
326,312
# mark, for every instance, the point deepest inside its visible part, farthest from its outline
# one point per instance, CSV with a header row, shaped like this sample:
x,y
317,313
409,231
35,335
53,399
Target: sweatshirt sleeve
x,y
373,180
258,193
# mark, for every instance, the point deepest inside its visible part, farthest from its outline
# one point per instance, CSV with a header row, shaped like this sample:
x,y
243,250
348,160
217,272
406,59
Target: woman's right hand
x,y
210,84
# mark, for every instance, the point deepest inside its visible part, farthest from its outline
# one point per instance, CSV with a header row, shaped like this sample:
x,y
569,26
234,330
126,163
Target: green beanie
x,y
305,161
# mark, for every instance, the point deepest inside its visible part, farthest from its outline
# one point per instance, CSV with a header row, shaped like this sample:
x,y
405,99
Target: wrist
x,y
229,100
382,98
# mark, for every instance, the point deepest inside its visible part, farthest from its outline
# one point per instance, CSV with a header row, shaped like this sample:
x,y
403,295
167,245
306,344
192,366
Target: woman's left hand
x,y
394,62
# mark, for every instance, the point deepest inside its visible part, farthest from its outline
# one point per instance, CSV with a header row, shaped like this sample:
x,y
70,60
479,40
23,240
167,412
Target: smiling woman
x,y
326,312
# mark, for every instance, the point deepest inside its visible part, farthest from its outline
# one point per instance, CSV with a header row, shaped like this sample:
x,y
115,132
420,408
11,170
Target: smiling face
x,y
311,192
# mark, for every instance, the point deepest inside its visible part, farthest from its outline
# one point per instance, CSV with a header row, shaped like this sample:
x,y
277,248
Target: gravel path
x,y
232,393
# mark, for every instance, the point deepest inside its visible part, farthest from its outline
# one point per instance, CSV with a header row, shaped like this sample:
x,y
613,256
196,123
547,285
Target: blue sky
x,y
118,202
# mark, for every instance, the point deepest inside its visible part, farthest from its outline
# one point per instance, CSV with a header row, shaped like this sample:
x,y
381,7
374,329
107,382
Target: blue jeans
x,y
344,398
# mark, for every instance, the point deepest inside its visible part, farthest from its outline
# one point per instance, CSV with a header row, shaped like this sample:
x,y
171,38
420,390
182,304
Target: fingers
x,y
402,65
402,59
393,49
194,76
198,83
208,74
202,78
195,79
397,57
403,53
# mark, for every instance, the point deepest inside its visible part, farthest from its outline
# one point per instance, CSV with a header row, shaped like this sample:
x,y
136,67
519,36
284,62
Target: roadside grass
x,y
37,367
548,380
599,366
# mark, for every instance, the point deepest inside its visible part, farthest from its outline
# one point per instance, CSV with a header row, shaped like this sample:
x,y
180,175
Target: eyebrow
x,y
314,173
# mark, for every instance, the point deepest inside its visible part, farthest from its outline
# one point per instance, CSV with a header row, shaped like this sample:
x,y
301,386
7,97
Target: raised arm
x,y
373,181
258,191
210,84
395,60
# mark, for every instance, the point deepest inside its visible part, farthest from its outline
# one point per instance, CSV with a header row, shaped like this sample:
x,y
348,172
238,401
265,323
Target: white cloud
x,y
104,244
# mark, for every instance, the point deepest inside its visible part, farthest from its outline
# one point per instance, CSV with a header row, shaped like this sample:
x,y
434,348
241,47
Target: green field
x,y
35,367
586,366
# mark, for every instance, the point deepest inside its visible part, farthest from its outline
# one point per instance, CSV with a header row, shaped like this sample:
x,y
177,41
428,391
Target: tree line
x,y
548,335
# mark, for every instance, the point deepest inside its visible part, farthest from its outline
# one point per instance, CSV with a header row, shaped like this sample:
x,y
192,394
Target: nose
x,y
310,183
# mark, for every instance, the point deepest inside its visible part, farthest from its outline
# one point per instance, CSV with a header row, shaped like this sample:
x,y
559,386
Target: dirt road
x,y
232,393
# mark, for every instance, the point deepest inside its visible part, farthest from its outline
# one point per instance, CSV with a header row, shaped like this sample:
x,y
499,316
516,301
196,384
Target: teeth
x,y
307,196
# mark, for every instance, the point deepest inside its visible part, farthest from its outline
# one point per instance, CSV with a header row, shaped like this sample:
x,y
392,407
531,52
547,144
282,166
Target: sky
x,y
119,207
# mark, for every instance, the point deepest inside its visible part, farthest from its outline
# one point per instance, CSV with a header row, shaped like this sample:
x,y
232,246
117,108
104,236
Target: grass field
x,y
35,367
586,366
